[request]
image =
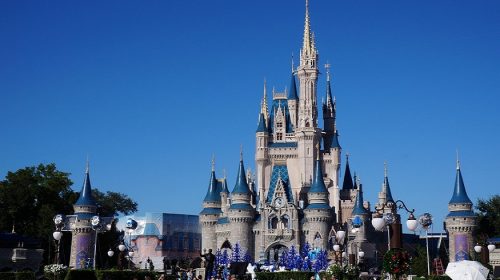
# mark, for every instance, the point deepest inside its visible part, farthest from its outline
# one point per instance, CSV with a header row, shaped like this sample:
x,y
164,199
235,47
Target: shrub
x,y
285,275
25,275
8,275
80,274
124,274
55,271
20,275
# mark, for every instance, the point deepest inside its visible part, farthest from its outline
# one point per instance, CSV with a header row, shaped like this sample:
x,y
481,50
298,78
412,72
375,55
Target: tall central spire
x,y
307,44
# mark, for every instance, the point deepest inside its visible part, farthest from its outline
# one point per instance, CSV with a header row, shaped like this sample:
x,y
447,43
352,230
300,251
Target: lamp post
x,y
425,220
340,235
57,234
391,220
100,224
478,249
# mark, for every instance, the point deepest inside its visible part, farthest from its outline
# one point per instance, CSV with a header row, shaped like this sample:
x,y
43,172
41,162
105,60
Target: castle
x,y
295,196
297,199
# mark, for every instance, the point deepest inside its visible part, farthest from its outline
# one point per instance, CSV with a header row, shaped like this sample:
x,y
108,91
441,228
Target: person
x,y
210,259
162,277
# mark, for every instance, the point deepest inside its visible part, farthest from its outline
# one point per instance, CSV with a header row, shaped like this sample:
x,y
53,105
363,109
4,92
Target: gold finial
x,y
327,67
385,168
213,162
292,64
347,156
458,161
224,172
241,152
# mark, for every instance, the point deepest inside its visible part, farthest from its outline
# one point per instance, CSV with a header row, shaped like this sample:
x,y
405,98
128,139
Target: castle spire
x,y
318,185
241,180
213,194
307,41
459,193
385,187
263,106
86,197
359,208
348,184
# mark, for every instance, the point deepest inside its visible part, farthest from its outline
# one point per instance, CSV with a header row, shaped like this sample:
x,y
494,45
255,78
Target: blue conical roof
x,y
224,187
335,140
86,197
359,209
241,181
460,194
213,193
348,184
329,98
388,194
292,95
262,124
318,185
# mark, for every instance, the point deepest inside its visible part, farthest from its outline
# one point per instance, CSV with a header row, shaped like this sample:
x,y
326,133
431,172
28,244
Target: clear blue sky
x,y
151,89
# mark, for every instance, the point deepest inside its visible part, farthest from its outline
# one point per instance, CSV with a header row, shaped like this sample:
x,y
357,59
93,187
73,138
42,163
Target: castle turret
x,y
262,146
293,98
360,211
211,212
83,238
241,213
461,222
328,113
385,195
318,214
347,194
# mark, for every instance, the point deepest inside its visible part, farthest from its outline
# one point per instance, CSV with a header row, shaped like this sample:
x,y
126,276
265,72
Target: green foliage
x,y
419,261
80,274
489,217
8,275
126,274
113,203
25,275
17,275
285,275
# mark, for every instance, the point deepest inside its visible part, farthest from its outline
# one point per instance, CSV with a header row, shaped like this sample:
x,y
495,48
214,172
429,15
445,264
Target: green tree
x,y
419,261
489,217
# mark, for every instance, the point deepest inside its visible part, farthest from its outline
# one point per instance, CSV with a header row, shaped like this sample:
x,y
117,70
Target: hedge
x,y
19,275
125,274
80,274
285,275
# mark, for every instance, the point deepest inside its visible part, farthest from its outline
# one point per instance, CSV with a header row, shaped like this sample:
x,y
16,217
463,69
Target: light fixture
x,y
412,223
110,253
361,254
477,248
344,254
491,247
378,223
121,247
336,247
57,235
340,235
131,253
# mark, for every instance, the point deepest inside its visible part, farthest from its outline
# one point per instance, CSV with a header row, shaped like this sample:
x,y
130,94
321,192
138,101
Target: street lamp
x,y
57,234
387,219
100,224
425,220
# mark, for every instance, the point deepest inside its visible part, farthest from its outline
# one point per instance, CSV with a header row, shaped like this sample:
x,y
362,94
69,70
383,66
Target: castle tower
x,y
241,213
318,214
360,211
385,195
307,132
347,194
83,237
211,212
328,113
262,147
460,222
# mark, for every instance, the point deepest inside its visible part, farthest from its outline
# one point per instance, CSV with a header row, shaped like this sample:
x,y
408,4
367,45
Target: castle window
x,y
273,223
279,136
279,124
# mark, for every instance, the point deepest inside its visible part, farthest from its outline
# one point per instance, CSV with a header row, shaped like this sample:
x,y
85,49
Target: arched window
x,y
285,220
273,222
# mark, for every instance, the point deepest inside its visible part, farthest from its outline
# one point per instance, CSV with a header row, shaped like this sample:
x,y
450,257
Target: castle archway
x,y
274,252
